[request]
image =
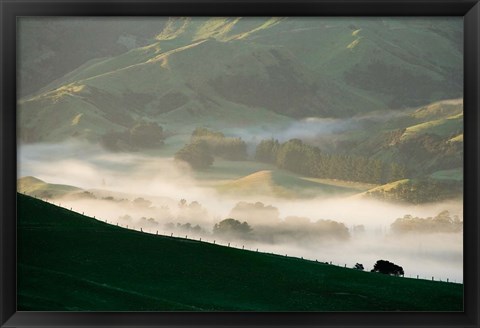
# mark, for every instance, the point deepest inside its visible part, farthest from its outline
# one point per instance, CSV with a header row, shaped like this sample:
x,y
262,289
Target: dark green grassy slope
x,y
67,261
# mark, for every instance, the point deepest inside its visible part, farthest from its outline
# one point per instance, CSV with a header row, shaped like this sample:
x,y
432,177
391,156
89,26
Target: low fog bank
x,y
318,131
155,194
435,255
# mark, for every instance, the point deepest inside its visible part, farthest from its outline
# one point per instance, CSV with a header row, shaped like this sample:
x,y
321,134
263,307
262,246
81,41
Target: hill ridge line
x,y
149,61
206,242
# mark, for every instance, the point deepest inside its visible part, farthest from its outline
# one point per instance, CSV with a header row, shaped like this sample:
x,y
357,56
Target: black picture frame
x,y
10,10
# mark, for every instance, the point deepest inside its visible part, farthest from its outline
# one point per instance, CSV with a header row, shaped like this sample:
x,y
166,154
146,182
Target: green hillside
x,y
237,72
42,189
52,47
69,262
425,139
438,187
279,183
441,127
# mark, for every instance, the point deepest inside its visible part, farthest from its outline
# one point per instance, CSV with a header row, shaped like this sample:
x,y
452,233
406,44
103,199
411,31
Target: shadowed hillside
x,y
69,262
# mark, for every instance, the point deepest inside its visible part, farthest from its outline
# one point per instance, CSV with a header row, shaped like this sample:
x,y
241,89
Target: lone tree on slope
x,y
387,267
358,266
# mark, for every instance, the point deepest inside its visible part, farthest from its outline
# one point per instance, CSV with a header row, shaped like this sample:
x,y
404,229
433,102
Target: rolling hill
x,y
425,139
69,262
429,142
39,188
438,187
278,183
233,72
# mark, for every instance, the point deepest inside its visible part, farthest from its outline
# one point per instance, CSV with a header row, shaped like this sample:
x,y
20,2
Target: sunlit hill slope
x,y
233,72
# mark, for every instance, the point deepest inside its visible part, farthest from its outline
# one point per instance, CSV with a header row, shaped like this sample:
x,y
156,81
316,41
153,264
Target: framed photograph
x,y
224,163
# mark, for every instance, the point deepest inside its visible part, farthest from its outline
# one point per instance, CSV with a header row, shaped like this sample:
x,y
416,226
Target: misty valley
x,y
242,198
333,141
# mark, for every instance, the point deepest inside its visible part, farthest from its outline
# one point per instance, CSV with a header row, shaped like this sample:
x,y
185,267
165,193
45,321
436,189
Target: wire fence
x,y
224,243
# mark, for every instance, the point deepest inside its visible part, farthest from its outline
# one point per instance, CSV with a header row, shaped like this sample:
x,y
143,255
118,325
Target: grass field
x,y
454,174
441,127
69,262
230,170
350,185
388,186
328,68
39,188
250,178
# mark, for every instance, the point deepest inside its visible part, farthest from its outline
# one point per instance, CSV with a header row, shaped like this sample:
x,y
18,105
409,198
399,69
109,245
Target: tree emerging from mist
x,y
296,156
443,222
230,148
141,135
303,230
197,154
419,191
193,212
266,151
185,228
270,228
232,228
256,213
205,144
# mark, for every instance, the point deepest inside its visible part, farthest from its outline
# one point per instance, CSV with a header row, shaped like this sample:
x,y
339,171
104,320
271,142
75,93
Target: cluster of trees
x,y
205,144
267,151
424,190
303,231
443,222
125,219
387,267
270,228
292,229
189,216
184,227
141,202
231,148
257,212
194,212
233,228
197,154
298,157
141,135
78,195
151,223
138,202
143,221
148,222
428,153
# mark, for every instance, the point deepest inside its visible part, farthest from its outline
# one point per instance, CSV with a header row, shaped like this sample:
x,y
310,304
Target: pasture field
x,y
70,262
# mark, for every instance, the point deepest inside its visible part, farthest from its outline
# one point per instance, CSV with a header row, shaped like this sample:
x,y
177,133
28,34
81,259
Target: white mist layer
x,y
163,183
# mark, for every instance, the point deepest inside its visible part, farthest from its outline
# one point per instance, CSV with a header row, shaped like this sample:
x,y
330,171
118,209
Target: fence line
x,y
227,244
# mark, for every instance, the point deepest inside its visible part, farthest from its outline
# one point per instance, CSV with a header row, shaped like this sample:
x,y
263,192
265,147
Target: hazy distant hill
x,y
425,140
50,47
232,72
